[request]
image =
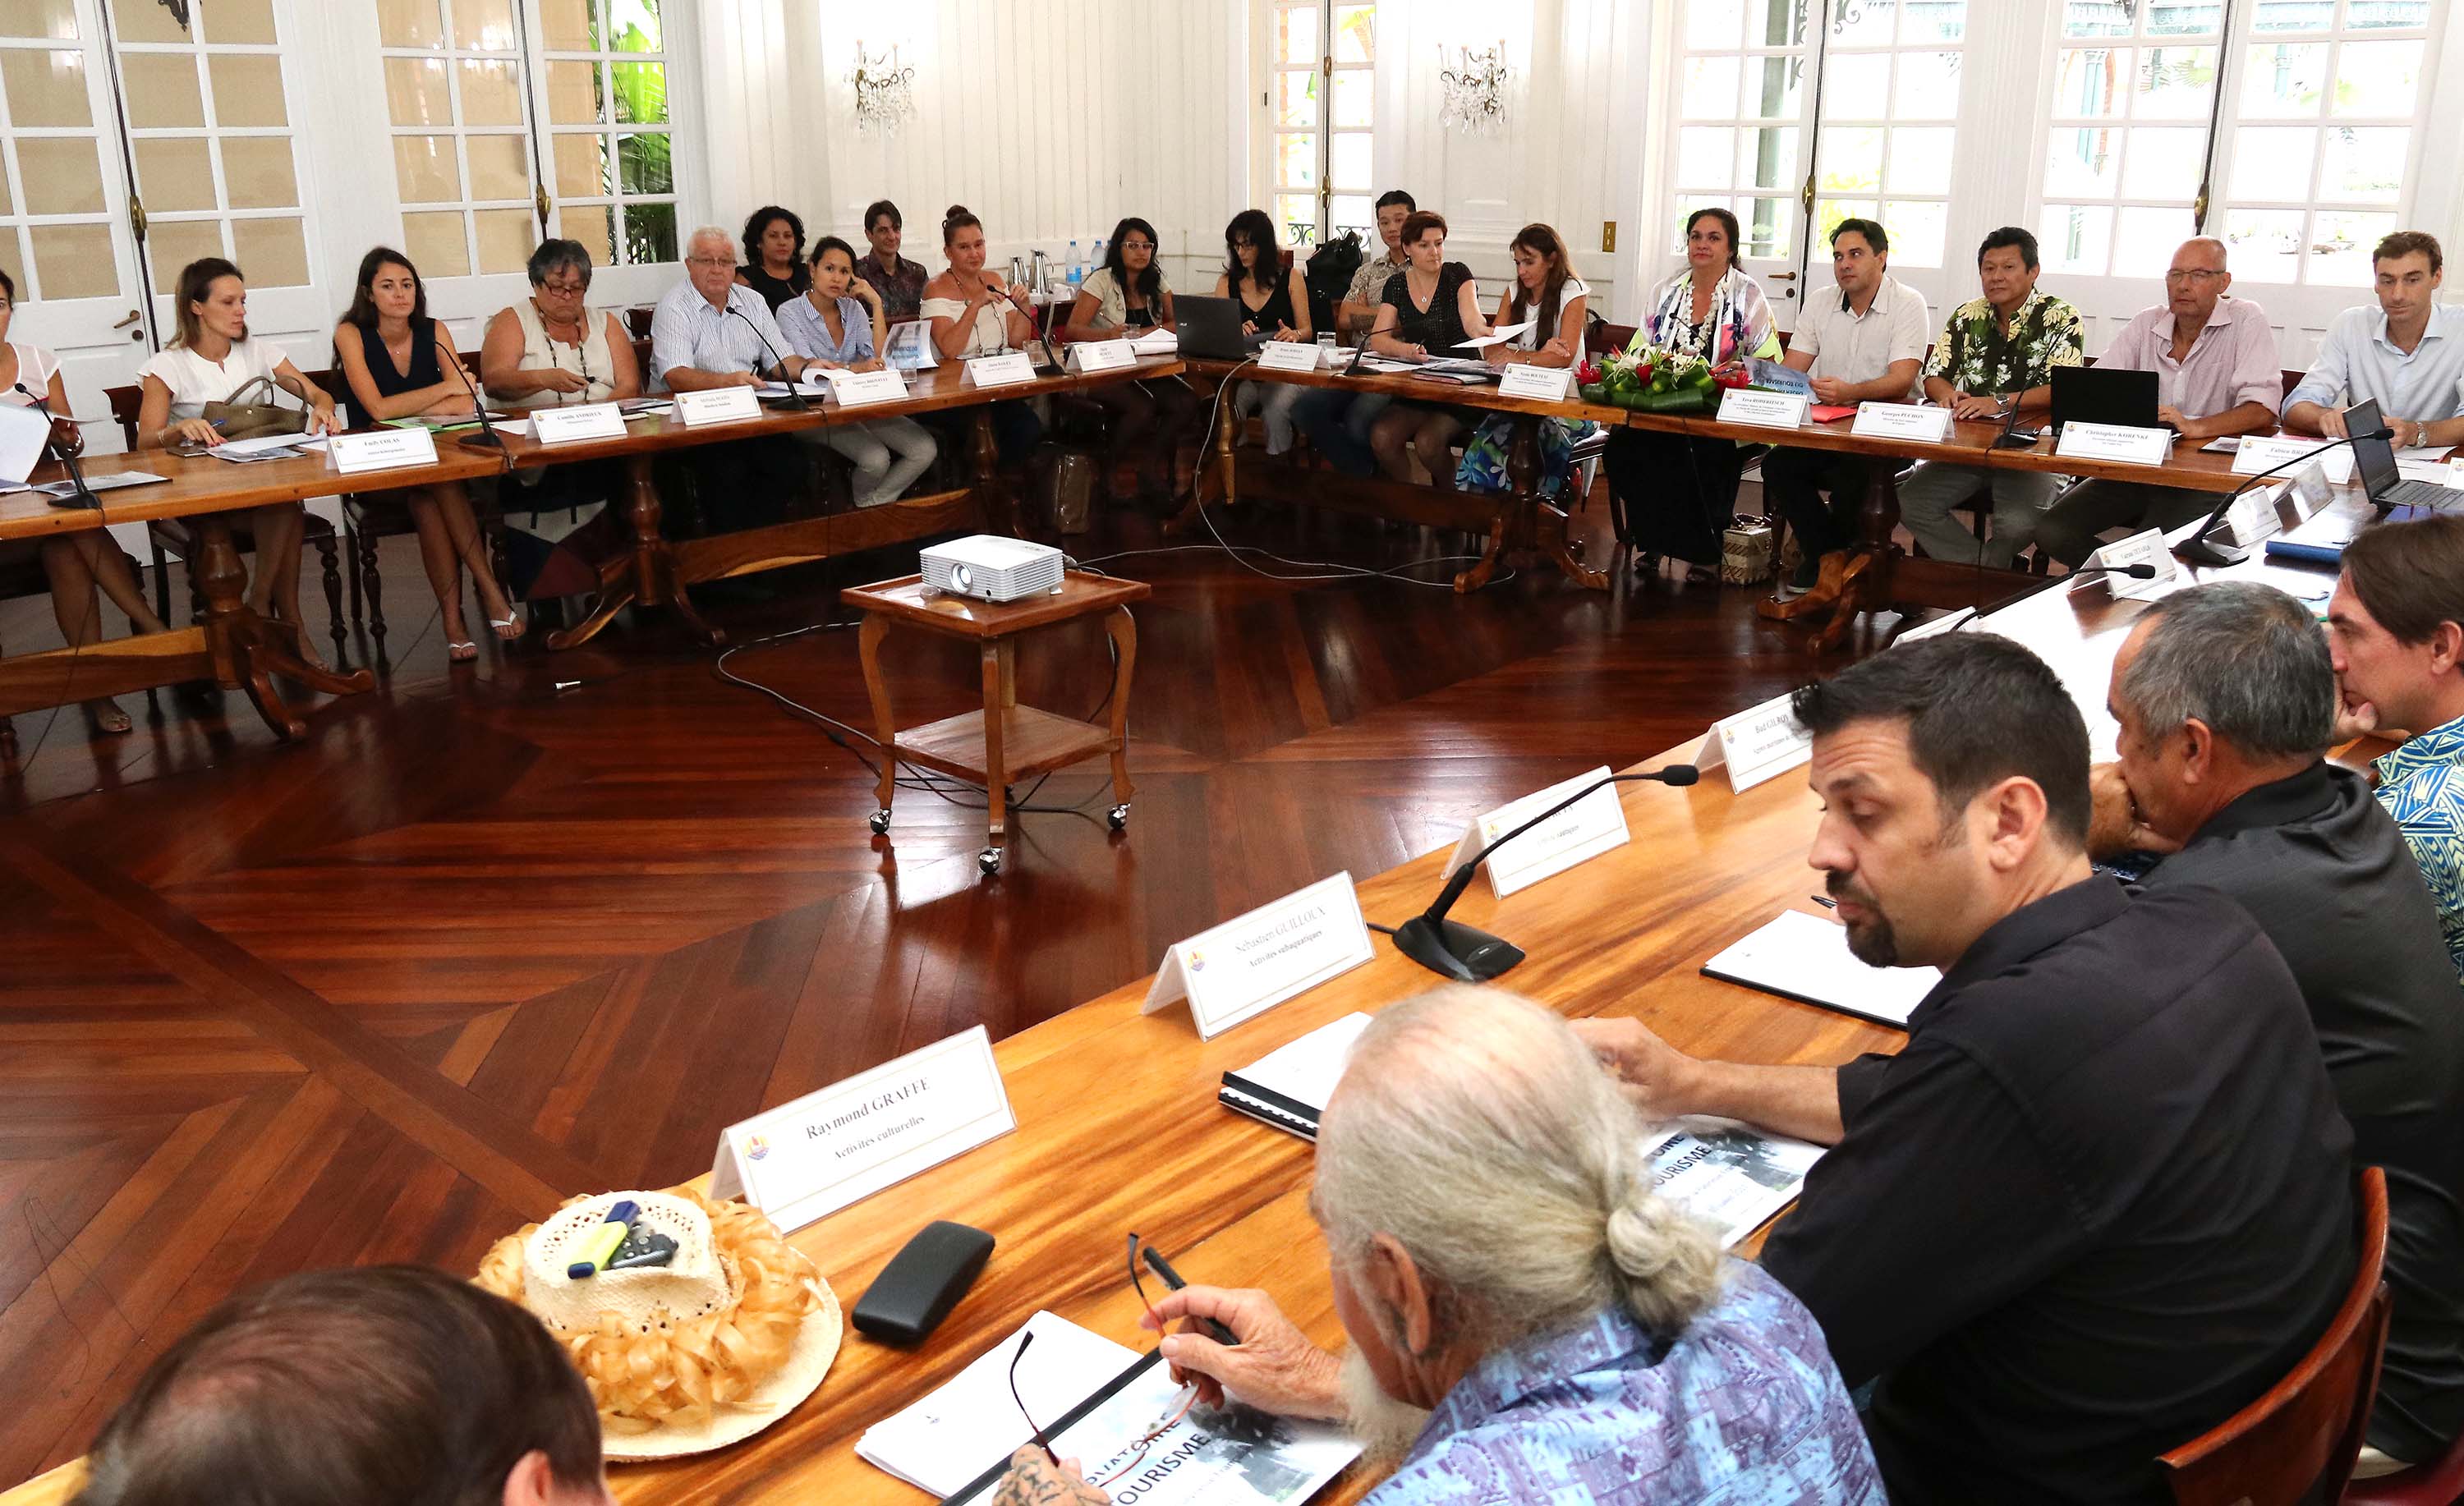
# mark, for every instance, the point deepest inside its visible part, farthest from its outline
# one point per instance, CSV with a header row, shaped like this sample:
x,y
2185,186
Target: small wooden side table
x,y
1004,741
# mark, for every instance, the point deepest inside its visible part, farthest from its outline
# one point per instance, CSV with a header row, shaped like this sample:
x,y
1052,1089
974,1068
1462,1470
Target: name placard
x,y
1763,409
1583,830
1948,623
2253,515
1285,355
385,449
804,1160
2257,454
1247,966
1902,421
1000,371
2126,443
1100,355
910,346
1758,743
717,405
854,390
1545,383
2147,548
582,420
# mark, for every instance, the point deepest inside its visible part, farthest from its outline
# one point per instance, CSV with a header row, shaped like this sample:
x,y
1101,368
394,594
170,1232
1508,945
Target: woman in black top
x,y
1274,303
774,256
1430,307
391,358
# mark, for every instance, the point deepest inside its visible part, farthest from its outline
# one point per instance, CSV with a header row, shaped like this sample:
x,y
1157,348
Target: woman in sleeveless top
x,y
1430,308
1275,304
393,360
1553,303
550,349
1129,296
971,312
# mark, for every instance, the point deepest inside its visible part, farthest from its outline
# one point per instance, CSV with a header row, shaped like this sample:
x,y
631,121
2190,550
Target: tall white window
x,y
605,84
1744,108
2126,151
1891,77
1319,99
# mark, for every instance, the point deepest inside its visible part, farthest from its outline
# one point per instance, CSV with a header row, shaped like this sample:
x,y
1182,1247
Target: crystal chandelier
x,y
883,101
1475,87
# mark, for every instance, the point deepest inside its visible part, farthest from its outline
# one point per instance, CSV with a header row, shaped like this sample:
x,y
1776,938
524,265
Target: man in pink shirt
x,y
2217,374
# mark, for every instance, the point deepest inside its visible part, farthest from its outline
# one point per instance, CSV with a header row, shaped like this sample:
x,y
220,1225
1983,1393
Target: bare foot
x,y
107,716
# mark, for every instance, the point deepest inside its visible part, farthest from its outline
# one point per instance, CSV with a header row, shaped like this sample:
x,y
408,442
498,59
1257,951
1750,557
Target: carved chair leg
x,y
373,583
329,558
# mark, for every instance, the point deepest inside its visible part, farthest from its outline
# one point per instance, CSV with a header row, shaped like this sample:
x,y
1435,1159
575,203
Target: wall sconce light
x,y
882,101
1476,85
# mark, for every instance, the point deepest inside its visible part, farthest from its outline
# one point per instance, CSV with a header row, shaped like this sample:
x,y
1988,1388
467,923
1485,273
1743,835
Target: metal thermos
x,y
1017,273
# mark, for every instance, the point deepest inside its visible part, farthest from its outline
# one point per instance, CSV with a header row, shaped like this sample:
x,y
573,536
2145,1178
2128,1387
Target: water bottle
x,y
1077,267
1099,254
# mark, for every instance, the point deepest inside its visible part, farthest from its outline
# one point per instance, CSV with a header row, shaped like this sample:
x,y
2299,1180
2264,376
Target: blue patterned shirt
x,y
2422,786
1745,1409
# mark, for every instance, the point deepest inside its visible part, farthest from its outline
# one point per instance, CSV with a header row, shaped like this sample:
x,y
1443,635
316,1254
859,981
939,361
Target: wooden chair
x,y
2296,1444
2438,1483
126,402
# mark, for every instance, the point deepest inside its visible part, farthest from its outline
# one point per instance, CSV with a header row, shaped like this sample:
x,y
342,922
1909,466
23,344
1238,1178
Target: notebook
x,y
1727,1174
1802,957
1289,1086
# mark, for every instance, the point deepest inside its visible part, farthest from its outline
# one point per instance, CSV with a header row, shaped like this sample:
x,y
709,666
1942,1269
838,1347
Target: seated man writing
x,y
2103,1199
1522,1307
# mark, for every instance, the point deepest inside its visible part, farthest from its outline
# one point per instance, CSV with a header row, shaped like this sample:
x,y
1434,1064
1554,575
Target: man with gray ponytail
x,y
1526,1316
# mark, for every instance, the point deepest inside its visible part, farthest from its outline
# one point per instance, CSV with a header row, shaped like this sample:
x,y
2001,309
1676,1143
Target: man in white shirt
x,y
711,332
1860,344
2407,355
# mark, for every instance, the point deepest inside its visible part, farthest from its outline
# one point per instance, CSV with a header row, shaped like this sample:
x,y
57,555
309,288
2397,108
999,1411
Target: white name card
x,y
1247,966
1581,831
385,449
1545,383
2147,548
2126,443
1902,421
2253,515
1756,744
804,1160
1285,354
2257,454
1000,371
1763,410
1100,355
717,405
582,420
854,390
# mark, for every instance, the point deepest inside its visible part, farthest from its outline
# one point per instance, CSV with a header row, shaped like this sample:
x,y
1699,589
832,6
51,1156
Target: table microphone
x,y
1460,952
2140,571
2199,552
83,495
480,406
776,360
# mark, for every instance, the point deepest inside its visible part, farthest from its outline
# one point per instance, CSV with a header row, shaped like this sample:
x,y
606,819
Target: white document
x,y
908,346
1763,409
1584,830
2428,465
970,1423
2125,442
1289,1086
1000,371
717,405
1544,383
385,449
1101,355
814,1156
2258,453
23,434
803,386
564,425
269,444
1798,956
856,389
1756,744
1156,342
1247,966
1288,355
2147,547
1499,335
1920,421
1727,1174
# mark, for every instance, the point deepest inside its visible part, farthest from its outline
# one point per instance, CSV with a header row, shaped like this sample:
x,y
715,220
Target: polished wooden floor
x,y
502,933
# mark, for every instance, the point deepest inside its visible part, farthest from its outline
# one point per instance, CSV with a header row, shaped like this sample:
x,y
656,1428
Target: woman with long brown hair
x,y
1555,303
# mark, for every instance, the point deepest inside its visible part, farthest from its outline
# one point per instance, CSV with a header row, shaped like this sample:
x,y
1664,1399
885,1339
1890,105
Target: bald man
x,y
2217,374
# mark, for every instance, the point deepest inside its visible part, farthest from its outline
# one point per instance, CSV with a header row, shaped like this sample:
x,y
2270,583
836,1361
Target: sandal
x,y
508,629
460,653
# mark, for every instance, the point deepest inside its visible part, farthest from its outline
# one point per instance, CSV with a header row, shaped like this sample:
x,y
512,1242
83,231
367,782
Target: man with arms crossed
x,y
2407,354
2103,1199
2217,374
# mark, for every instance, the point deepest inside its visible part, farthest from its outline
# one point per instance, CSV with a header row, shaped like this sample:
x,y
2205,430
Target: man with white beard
x,y
1524,1314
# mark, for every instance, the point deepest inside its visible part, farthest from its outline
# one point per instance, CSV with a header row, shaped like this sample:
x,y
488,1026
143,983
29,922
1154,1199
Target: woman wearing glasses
x,y
1126,297
1273,303
550,349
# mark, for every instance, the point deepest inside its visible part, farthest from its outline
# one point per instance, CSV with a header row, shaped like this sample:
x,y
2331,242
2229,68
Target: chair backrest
x,y
2297,1442
1612,338
126,402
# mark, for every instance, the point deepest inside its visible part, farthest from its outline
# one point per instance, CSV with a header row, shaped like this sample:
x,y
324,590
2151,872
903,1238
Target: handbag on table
x,y
241,418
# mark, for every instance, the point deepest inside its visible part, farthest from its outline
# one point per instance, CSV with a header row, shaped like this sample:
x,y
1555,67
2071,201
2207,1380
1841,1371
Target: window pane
x,y
2074,237
1714,23
2378,79
244,23
7,206
275,251
593,224
2273,161
2175,83
1295,99
1928,86
1354,107
2266,244
1297,214
2365,164
573,93
1769,226
2087,82
47,86
435,243
570,27
1916,228
258,172
1710,88
172,243
582,166
484,26
500,167
1355,27
649,233
2281,78
2293,15
1296,35
2083,161
1349,160
417,93
492,92
1829,212
644,164
55,19
173,172
507,237
1352,212
1921,159
409,23
1702,156
1774,88
1856,86
2339,246
1934,21
641,93
1848,159
1766,158
1862,23
1775,23
2095,18
248,89
2185,18
1296,160
2369,15
146,21
634,26
63,176
2163,162
424,171
74,261
2144,240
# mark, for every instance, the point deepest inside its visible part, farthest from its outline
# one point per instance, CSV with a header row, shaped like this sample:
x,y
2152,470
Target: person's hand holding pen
x,y
1274,1366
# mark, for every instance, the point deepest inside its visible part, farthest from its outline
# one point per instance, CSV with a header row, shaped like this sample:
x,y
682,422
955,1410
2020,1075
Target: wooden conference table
x,y
1119,1129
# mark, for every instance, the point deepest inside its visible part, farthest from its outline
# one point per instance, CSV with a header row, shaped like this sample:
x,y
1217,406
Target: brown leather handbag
x,y
241,418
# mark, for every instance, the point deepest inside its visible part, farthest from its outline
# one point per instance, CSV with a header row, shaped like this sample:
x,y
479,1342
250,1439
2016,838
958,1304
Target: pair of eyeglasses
x,y
1131,246
1146,1440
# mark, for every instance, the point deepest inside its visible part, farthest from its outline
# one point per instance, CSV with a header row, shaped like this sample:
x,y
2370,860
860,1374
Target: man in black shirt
x,y
2226,701
2103,1200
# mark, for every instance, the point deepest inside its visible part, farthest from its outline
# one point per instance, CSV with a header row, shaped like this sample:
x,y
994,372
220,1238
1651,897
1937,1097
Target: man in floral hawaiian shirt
x,y
1994,352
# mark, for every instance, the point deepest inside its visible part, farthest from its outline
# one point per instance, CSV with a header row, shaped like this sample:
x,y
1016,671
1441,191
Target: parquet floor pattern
x,y
499,934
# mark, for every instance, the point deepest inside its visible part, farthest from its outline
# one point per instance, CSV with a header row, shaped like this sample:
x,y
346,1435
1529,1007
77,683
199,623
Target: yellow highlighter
x,y
592,1255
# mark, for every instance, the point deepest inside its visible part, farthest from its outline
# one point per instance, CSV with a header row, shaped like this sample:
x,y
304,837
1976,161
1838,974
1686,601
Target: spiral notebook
x,y
1289,1086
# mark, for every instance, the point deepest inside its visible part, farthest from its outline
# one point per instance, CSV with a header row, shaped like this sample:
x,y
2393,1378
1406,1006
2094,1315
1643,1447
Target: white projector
x,y
991,568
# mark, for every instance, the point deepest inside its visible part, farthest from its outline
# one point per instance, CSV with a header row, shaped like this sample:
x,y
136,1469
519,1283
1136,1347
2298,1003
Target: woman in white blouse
x,y
73,564
1552,303
974,313
211,362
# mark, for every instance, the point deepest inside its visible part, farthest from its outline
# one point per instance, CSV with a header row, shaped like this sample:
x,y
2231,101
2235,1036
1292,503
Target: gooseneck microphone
x,y
2142,572
1467,955
781,361
2198,551
83,495
480,406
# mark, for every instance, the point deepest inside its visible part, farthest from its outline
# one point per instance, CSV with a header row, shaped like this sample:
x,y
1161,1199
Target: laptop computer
x,y
1211,327
2105,395
2381,478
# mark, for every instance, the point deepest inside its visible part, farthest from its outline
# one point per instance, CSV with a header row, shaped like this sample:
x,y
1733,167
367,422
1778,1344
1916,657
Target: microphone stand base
x,y
1455,950
2199,552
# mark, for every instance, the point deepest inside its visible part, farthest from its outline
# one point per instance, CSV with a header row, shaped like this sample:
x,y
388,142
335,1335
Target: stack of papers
x,y
1156,342
970,1424
1800,957
1726,1174
1289,1087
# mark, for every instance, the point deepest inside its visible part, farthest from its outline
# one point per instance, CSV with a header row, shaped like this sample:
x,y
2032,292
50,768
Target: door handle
x,y
133,317
1781,276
